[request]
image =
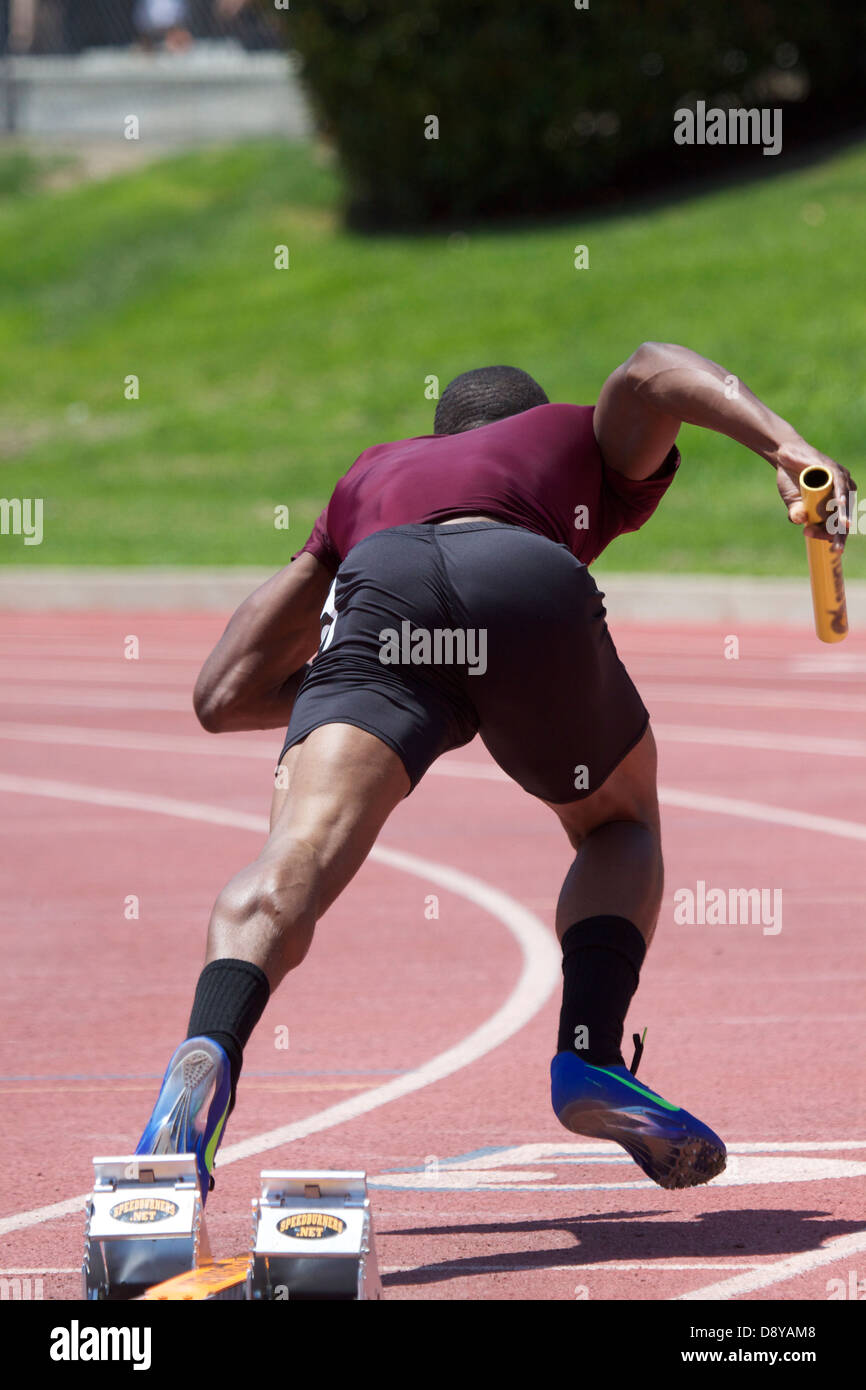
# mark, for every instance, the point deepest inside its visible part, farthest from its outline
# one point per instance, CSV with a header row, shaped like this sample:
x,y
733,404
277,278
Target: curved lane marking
x,y
538,978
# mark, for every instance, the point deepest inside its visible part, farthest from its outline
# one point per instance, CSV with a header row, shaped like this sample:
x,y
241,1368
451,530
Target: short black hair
x,y
486,394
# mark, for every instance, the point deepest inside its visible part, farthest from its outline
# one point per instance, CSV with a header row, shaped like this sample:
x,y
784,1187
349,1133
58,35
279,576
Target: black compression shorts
x,y
436,632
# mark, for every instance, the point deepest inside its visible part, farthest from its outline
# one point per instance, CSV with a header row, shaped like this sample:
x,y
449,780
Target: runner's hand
x,y
790,461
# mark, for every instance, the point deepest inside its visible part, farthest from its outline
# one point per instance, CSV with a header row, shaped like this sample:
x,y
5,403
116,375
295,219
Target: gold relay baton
x,y
825,563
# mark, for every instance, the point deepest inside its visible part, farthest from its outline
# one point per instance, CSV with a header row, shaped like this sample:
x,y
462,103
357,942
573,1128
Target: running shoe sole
x,y
671,1146
196,1084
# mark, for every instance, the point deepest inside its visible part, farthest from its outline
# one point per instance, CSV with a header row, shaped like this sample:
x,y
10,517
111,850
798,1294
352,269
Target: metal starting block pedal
x,y
313,1238
145,1224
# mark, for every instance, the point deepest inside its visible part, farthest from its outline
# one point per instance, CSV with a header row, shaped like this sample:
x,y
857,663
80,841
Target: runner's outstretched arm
x,y
661,386
252,676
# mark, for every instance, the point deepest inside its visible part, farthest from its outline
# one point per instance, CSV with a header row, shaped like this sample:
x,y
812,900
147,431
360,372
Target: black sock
x,y
230,998
601,961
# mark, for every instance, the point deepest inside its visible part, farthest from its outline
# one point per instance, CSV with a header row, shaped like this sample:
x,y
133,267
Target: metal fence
x,y
73,26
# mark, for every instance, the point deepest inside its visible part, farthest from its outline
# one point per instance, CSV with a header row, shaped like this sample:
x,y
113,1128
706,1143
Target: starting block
x,y
145,1223
313,1238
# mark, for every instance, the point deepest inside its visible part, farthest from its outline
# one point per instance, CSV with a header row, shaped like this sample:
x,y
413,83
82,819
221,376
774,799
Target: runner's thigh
x,y
556,707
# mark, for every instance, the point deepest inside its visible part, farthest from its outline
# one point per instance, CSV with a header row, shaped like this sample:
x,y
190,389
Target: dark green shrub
x,y
544,106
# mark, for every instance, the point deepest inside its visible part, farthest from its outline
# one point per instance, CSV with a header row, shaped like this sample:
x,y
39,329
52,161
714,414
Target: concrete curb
x,y
707,598
95,587
216,91
645,598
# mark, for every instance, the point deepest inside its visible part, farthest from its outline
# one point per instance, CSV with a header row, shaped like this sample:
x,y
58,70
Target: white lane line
x,y
763,1276
758,698
799,1020
119,672
828,664
134,741
204,744
760,811
567,1151
539,976
30,663
518,1268
541,1269
753,738
800,1146
631,1267
199,745
133,801
73,1206
750,671
95,699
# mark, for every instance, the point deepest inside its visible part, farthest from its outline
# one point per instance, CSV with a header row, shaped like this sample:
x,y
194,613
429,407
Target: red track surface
x,y
759,1033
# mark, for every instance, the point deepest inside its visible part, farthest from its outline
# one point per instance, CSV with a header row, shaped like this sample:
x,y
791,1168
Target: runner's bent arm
x,y
252,676
661,386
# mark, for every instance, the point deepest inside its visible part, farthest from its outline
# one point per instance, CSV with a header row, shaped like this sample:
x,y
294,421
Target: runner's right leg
x,y
605,919
616,825
560,714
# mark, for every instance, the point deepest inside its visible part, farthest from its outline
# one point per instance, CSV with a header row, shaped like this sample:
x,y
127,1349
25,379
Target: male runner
x,y
480,533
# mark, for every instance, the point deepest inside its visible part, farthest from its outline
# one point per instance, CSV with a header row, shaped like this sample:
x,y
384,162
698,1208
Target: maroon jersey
x,y
541,469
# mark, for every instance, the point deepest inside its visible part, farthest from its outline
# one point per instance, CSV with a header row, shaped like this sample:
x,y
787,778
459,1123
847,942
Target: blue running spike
x,y
670,1145
192,1107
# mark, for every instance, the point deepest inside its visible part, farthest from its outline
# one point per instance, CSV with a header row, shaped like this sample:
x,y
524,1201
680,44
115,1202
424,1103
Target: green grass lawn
x,y
258,387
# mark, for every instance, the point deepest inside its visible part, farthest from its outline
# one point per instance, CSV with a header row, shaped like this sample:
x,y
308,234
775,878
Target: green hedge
x,y
544,106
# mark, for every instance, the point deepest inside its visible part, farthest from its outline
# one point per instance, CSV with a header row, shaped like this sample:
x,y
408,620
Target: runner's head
x,y
489,393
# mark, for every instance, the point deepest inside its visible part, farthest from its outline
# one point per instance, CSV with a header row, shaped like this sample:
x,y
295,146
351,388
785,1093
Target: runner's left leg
x,y
343,785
